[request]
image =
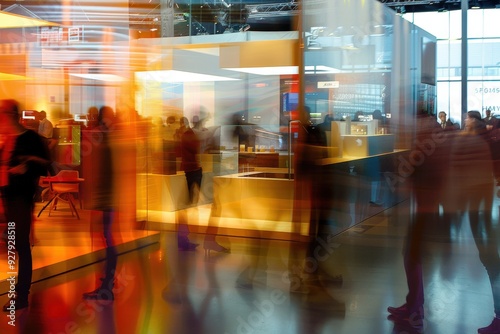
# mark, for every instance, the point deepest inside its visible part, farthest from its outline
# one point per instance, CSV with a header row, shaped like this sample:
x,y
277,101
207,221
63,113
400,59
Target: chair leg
x,y
45,206
68,198
80,200
72,206
44,192
53,203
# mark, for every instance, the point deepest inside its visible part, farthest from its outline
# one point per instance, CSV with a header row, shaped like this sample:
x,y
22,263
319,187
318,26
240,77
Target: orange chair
x,y
45,185
64,190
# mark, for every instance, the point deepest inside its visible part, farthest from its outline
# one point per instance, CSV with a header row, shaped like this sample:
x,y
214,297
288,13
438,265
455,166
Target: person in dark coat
x,y
428,167
103,199
189,149
24,158
472,184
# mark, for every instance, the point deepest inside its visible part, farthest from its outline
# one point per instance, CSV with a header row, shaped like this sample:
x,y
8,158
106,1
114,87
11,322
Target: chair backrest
x,y
67,174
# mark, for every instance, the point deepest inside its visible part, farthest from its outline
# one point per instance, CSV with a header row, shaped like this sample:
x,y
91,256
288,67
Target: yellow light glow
x,y
7,76
9,20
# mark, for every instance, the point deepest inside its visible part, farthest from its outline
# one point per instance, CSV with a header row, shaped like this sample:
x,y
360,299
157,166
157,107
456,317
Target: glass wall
x,y
483,85
228,87
257,91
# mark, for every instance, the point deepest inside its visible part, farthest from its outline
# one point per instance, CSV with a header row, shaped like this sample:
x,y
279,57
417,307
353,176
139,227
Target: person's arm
x,y
35,159
25,161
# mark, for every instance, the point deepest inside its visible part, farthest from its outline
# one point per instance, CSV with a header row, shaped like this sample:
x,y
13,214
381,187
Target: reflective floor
x,y
161,290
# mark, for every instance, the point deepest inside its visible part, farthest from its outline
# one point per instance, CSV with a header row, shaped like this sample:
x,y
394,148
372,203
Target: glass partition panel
x,y
230,96
366,74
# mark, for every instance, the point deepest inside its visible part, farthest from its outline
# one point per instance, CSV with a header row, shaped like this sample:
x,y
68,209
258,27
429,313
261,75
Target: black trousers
x,y
18,210
193,179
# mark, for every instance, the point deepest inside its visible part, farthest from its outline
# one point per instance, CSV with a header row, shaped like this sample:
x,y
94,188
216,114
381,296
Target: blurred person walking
x,y
190,151
313,192
191,142
24,158
102,198
472,185
429,158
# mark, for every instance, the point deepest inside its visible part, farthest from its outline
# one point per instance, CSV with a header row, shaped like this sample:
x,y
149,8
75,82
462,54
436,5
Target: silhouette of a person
x,y
24,158
472,184
427,183
102,195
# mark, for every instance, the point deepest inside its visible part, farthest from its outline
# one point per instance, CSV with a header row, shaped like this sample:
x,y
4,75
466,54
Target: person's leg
x,y
111,255
413,264
209,243
19,214
320,248
105,290
182,221
426,214
193,180
485,238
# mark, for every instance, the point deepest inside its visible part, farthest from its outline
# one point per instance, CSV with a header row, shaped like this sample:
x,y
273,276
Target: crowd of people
x,y
453,181
24,158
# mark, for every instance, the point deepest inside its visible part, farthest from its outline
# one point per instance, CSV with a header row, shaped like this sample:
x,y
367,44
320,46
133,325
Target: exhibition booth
x,y
251,97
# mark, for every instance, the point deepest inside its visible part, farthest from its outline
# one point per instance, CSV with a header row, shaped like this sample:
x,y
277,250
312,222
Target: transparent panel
x,y
490,23
443,58
455,95
436,23
443,91
366,73
235,102
455,24
475,23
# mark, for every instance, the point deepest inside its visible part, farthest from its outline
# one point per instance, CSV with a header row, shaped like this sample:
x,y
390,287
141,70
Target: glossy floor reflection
x,y
161,290
62,242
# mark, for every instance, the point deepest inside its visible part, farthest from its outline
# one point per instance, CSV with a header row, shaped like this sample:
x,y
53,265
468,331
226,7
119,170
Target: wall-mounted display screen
x,y
428,61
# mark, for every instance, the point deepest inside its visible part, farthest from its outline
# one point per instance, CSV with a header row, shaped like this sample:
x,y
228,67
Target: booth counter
x,y
268,193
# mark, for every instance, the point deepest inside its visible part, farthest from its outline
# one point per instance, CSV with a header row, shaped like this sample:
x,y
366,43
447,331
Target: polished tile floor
x,y
161,290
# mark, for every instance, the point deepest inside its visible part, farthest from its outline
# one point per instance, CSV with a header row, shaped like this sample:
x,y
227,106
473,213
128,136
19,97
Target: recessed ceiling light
x,y
275,70
99,77
179,76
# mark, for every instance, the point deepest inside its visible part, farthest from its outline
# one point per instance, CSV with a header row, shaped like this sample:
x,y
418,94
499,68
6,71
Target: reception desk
x,y
169,192
267,194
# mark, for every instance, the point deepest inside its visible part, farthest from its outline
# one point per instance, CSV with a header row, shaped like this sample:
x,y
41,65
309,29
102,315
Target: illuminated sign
x,y
60,35
73,34
328,84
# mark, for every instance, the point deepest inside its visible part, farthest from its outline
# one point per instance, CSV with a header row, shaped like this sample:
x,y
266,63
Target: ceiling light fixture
x,y
400,10
273,70
99,77
179,76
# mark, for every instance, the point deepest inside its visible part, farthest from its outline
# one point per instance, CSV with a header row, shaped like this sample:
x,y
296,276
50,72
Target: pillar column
x,y
167,18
